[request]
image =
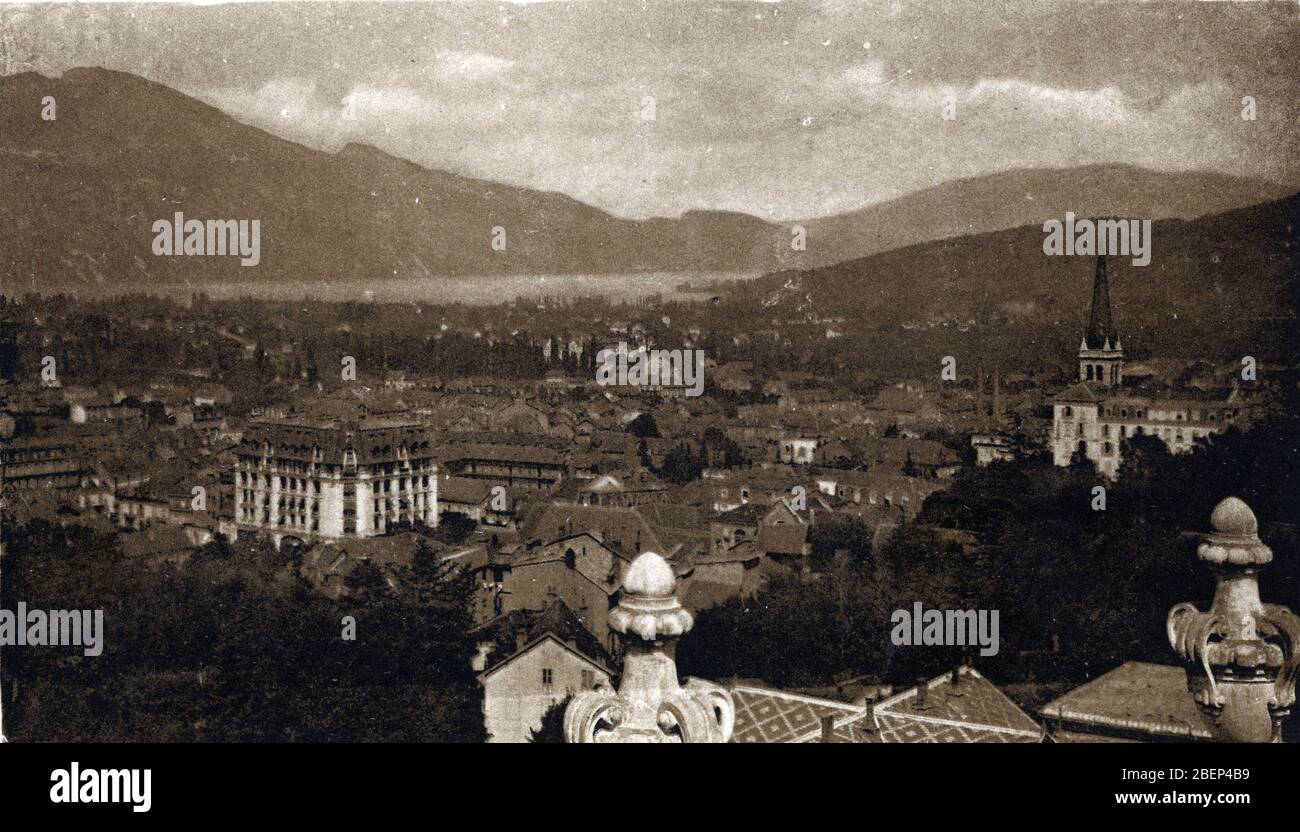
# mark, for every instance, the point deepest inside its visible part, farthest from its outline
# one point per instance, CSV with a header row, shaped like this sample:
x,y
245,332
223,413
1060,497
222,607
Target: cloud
x,y
790,116
873,83
1105,103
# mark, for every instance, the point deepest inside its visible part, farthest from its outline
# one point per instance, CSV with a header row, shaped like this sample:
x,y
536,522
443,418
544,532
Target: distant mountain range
x,y
81,193
1027,197
1218,287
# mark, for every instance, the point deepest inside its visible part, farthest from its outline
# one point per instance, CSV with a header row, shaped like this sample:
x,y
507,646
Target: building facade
x,y
1095,415
518,692
334,479
513,466
41,463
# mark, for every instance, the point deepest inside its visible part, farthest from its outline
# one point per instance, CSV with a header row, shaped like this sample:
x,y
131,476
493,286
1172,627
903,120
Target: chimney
x,y
828,727
868,722
921,689
520,640
957,688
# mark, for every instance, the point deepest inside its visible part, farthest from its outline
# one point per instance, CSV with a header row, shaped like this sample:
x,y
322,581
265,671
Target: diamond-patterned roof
x,y
961,706
764,715
972,710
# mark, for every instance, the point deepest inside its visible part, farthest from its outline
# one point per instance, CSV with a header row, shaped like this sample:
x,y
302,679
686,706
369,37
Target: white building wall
x,y
515,697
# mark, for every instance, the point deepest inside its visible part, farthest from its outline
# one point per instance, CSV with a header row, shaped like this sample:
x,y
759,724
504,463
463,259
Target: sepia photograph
x,y
886,372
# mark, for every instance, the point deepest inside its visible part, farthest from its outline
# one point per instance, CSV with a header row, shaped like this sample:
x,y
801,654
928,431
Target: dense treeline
x,y
234,646
1078,590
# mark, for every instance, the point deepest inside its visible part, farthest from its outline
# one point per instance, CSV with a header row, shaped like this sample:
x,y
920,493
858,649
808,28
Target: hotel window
x,y
548,677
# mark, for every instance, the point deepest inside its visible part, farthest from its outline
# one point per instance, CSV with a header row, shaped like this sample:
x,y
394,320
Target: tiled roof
x,y
622,529
463,490
556,620
749,514
895,729
373,440
521,454
1137,699
974,710
764,715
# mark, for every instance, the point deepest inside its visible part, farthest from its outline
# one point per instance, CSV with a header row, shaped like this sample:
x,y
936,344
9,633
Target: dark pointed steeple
x,y
1101,332
1101,357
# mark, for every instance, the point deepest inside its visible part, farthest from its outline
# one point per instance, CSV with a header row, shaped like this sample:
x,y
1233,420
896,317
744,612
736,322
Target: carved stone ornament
x,y
650,705
1241,655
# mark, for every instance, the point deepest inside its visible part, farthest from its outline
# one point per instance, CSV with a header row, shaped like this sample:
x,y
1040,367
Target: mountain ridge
x,y
84,189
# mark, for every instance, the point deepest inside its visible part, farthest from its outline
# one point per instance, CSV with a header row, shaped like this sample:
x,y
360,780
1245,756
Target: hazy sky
x,y
781,109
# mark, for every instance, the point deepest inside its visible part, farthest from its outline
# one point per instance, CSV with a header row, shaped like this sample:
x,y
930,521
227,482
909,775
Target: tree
x,y
643,427
366,579
453,527
681,465
552,728
233,646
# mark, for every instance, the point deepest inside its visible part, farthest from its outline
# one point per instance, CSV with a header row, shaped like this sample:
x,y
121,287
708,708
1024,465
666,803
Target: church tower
x,y
1101,356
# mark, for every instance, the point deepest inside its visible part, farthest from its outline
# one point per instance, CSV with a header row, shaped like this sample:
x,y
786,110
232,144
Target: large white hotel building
x,y
330,479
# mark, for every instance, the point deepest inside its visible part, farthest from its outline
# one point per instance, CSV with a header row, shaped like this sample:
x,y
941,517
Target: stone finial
x,y
1242,655
649,607
1235,538
650,704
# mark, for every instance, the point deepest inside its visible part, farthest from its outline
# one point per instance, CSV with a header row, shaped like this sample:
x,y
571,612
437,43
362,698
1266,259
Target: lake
x,y
478,291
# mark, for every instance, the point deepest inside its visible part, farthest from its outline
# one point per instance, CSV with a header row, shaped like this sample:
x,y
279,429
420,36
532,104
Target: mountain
x,y
81,194
1025,197
83,191
1217,287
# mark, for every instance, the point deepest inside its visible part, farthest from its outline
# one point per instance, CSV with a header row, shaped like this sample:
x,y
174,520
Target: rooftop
x,y
1138,698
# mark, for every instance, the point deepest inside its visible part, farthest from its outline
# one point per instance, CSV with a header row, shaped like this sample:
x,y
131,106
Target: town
x,y
493,453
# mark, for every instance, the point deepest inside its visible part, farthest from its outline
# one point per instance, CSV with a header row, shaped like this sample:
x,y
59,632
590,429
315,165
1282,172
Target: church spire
x,y
1100,329
1101,358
